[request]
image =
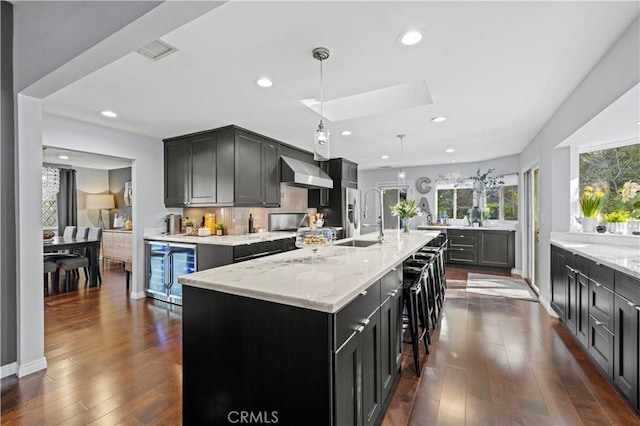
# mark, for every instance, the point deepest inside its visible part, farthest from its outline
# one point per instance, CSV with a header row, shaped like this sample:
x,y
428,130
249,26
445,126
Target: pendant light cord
x,y
321,91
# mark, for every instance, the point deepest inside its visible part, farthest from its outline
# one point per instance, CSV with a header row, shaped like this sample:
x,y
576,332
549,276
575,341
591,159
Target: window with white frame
x,y
456,199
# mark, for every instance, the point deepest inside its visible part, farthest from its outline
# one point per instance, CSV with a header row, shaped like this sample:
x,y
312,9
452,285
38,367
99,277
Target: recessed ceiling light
x,y
385,157
63,157
449,150
438,119
411,37
638,123
346,133
453,161
264,82
109,114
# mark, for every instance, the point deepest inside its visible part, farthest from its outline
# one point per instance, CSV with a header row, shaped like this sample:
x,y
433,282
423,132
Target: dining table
x,y
93,250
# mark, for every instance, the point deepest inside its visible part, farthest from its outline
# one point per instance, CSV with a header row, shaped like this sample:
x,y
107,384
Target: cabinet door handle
x,y
363,293
598,322
633,305
394,269
638,308
365,322
393,293
597,284
597,264
360,328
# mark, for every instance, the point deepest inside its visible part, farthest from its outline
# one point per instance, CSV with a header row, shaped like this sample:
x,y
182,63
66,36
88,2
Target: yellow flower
x,y
599,194
586,193
588,188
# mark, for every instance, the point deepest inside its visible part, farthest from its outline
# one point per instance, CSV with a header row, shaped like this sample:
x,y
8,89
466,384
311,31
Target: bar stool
x,y
434,298
414,305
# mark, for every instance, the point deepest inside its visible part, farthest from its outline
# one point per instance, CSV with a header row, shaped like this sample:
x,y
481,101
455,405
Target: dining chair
x,y
50,268
70,264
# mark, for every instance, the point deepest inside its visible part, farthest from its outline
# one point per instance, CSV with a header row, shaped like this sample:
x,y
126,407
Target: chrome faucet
x,y
380,223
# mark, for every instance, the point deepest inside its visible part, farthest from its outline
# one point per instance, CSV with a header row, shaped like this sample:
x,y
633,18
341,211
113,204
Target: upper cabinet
x,y
227,166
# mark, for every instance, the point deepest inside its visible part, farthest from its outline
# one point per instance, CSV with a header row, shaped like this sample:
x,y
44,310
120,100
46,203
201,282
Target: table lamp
x,y
100,202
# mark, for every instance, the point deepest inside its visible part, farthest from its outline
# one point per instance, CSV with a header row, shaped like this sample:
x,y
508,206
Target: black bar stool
x,y
434,298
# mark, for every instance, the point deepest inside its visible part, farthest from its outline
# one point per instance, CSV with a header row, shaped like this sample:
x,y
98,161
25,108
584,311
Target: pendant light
x,y
402,174
321,139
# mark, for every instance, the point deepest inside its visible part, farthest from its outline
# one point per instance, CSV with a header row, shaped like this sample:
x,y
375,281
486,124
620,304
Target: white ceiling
x,y
497,70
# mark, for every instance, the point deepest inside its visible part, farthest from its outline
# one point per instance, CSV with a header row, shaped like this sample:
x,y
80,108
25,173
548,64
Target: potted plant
x,y
187,223
591,204
405,210
617,221
219,228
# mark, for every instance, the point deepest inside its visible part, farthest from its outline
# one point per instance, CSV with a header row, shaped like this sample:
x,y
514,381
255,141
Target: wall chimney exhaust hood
x,y
299,173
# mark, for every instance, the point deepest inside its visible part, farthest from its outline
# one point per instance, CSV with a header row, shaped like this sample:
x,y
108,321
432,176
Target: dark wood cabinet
x,y
496,249
371,370
227,166
177,169
601,308
491,248
347,379
559,282
625,364
344,174
390,338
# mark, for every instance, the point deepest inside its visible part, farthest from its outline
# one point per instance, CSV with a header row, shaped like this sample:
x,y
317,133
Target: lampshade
x,y
99,201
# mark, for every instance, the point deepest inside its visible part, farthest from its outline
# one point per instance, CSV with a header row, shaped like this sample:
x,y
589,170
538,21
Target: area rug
x,y
495,285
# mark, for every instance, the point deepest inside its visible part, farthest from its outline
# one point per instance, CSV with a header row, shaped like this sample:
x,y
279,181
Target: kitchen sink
x,y
356,243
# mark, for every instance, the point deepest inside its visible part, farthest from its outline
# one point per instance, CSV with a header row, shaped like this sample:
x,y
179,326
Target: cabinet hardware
x,y
598,322
360,329
597,284
393,293
597,264
363,293
633,305
638,308
365,321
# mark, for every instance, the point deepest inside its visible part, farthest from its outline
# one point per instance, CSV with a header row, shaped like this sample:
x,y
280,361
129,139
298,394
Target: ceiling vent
x,y
157,50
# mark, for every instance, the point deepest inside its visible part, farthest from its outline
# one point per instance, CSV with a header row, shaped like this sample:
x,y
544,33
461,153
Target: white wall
x,y
615,74
90,181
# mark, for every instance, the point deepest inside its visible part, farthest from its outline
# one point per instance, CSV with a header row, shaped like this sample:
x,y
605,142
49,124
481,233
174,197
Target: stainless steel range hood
x,y
299,173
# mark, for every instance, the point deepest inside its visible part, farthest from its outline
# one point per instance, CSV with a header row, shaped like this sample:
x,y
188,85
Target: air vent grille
x,y
157,50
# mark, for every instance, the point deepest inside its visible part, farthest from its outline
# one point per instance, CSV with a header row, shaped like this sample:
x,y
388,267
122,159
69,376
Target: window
x,y
608,170
457,200
50,213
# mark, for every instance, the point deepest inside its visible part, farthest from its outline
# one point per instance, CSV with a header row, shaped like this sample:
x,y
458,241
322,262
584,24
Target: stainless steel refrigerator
x,y
164,263
351,212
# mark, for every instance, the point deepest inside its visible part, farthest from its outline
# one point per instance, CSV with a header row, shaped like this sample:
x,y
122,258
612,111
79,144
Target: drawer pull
x,y
393,293
638,308
363,293
598,322
360,328
365,321
597,284
633,305
461,249
597,264
394,269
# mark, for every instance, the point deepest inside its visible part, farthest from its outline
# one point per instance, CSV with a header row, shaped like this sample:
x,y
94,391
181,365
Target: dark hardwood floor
x,y
113,360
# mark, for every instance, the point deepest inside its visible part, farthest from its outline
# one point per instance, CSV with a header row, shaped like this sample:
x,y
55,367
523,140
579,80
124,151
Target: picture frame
x,y
128,194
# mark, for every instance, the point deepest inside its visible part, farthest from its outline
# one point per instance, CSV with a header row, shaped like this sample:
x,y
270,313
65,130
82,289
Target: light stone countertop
x,y
622,254
223,240
323,282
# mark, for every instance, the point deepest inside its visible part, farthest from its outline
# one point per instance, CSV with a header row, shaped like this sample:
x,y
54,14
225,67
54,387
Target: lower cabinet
x,y
601,308
491,248
368,362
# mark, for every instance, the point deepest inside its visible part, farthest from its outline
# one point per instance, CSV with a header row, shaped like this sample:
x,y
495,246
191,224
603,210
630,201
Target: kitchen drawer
x,y
462,255
581,265
627,287
462,240
351,316
601,303
256,250
601,274
601,341
389,283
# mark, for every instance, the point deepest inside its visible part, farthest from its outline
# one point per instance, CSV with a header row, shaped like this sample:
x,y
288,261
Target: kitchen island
x,y
296,338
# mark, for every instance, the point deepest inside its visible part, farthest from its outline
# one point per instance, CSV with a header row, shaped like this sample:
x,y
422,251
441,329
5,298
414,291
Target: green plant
x,y
405,209
187,222
591,201
617,216
485,181
219,226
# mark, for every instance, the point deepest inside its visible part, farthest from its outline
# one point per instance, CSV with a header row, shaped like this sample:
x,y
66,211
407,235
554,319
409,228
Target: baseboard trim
x,y
548,307
32,367
8,370
517,272
138,295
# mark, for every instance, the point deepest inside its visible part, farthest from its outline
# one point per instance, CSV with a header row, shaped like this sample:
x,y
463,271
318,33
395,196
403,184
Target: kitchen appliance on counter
x,y
174,224
164,263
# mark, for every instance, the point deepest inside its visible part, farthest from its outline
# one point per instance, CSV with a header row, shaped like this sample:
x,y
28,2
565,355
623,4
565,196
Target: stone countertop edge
x,y
351,266
624,256
471,228
223,240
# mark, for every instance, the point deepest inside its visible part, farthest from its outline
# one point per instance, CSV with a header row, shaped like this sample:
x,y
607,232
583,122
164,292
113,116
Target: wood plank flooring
x,y
117,361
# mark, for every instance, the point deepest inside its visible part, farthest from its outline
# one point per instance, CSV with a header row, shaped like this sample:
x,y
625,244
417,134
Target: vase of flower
x,y
405,210
589,224
617,221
